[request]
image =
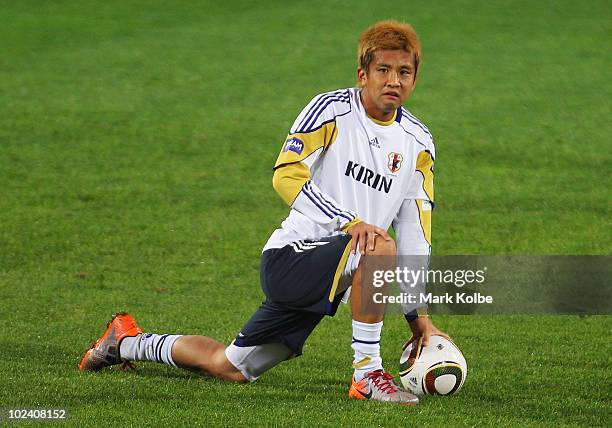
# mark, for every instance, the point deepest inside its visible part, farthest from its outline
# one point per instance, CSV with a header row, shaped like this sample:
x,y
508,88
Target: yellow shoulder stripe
x,y
289,180
424,164
299,146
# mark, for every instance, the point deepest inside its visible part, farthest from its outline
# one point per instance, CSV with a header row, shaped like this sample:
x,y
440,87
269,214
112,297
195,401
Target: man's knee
x,y
234,375
222,368
383,248
252,361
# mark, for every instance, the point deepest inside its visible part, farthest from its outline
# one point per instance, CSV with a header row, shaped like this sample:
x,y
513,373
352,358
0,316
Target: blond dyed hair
x,y
388,35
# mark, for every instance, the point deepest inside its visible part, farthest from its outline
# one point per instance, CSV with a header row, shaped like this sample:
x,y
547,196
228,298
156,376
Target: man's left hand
x,y
423,327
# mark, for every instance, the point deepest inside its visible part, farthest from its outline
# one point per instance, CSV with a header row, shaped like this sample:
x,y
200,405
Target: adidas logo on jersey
x,y
368,177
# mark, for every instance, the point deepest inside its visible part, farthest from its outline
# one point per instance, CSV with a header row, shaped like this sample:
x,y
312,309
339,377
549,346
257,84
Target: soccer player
x,y
355,162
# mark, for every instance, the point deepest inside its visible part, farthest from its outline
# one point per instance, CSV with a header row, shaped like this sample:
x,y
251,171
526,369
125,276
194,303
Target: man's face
x,y
389,81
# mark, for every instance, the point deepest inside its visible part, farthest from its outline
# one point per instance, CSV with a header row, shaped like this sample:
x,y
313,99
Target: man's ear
x,y
361,76
416,75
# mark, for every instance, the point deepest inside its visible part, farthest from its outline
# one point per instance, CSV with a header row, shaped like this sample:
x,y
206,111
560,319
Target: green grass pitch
x,y
136,146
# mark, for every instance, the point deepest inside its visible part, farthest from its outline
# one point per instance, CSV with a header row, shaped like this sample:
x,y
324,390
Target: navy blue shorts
x,y
300,282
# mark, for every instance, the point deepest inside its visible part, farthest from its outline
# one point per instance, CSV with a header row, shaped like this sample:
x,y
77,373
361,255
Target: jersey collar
x,y
385,123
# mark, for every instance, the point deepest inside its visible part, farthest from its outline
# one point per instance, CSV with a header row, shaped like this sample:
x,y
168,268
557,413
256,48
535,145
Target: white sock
x,y
366,344
149,347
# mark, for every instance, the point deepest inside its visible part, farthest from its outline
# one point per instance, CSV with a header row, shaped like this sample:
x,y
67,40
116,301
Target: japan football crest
x,y
395,161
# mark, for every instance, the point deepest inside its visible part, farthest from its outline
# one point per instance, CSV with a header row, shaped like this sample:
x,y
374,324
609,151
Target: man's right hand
x,y
364,234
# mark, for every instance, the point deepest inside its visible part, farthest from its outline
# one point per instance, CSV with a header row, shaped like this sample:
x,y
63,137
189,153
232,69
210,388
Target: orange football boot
x,y
378,385
105,351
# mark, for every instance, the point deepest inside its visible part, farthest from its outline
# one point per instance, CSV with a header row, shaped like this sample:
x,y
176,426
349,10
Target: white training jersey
x,y
338,166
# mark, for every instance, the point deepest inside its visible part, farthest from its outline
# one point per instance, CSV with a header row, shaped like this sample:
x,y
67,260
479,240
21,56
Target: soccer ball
x,y
436,369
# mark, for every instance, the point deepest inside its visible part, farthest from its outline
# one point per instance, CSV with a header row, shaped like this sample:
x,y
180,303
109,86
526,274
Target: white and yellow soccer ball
x,y
436,369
